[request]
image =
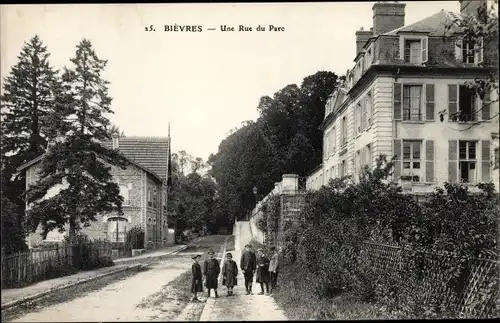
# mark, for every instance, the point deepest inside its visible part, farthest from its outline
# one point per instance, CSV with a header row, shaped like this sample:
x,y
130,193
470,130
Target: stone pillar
x,y
290,183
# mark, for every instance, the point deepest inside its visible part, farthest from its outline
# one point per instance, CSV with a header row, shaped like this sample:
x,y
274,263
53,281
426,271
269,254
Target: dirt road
x,y
144,296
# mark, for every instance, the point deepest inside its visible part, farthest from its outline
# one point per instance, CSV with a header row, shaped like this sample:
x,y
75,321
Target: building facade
x,y
407,96
143,189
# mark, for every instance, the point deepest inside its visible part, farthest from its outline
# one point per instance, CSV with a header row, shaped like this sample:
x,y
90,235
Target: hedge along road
x,y
144,296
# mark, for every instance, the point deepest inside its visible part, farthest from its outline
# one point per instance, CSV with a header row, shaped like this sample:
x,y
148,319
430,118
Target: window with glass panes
x,y
412,102
411,160
467,161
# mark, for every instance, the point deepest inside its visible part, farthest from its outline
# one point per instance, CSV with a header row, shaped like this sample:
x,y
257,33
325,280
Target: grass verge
x,y
67,295
301,304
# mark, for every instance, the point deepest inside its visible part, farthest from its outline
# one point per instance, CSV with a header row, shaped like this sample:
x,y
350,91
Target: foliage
x,y
327,251
114,129
193,199
27,104
78,161
284,139
135,238
481,28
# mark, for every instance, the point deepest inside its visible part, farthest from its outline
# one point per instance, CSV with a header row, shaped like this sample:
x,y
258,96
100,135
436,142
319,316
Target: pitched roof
x,y
435,25
149,152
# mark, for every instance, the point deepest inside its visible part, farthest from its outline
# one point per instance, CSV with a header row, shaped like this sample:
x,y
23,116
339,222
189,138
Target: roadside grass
x,y
67,295
301,304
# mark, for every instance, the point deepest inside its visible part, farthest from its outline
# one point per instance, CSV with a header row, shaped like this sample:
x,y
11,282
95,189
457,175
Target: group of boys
x,y
266,271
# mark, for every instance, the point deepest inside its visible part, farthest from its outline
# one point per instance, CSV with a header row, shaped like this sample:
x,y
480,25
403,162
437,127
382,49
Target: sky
x,y
204,83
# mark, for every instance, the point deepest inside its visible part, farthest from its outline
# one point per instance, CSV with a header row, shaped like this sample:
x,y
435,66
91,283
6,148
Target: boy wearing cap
x,y
196,285
211,270
229,273
248,264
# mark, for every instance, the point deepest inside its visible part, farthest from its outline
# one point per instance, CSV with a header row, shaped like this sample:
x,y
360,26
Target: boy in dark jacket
x,y
248,265
196,284
262,272
229,274
211,270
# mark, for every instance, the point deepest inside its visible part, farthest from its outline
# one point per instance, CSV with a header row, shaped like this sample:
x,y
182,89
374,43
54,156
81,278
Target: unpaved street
x,y
125,300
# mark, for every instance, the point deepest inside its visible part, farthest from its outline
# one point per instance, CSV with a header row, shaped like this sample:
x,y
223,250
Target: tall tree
x,y
79,160
28,98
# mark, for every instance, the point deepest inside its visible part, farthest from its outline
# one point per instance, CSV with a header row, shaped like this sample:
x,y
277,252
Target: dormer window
x,y
414,49
469,51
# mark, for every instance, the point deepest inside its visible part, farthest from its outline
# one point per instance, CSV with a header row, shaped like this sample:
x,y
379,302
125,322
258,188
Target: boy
x,y
229,274
211,270
263,272
196,285
248,264
273,268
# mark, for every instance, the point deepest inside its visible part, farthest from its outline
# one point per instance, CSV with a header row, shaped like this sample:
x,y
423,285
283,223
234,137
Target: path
x,y
117,301
241,307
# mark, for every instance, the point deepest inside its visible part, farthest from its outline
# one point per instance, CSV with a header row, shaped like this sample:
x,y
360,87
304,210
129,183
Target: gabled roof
x,y
435,25
149,152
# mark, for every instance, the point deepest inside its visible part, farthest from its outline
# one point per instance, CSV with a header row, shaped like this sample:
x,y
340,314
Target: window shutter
x,y
397,101
485,109
397,163
458,49
429,163
429,106
479,50
452,161
371,108
485,161
452,101
423,43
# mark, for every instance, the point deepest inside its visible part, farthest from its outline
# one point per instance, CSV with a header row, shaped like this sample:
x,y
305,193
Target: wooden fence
x,y
467,287
26,268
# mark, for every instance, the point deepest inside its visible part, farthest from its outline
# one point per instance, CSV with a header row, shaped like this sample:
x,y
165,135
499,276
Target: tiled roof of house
x,y
435,25
149,152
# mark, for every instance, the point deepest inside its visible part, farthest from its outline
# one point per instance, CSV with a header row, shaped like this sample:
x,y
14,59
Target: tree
x,y
284,139
79,160
481,29
27,107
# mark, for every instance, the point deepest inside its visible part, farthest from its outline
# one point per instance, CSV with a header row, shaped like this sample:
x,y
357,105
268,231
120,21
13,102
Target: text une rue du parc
x,y
225,28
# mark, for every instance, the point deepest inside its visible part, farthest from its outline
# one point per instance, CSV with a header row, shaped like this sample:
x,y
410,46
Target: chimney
x,y
470,7
387,16
362,37
116,140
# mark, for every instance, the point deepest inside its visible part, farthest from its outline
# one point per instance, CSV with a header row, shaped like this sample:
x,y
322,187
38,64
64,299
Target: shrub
x,y
326,244
135,238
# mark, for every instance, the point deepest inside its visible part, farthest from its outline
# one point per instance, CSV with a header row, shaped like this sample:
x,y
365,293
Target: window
x,y
331,143
369,109
332,172
357,118
412,98
411,160
466,102
124,192
117,229
343,169
497,159
412,51
333,139
155,197
367,159
467,161
325,146
150,198
344,130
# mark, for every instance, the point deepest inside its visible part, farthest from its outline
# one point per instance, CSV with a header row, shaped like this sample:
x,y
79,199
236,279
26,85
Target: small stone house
x,y
143,185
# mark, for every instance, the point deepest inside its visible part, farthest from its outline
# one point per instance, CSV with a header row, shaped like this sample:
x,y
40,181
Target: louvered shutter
x,y
452,101
452,161
429,160
429,98
485,161
397,101
485,109
398,145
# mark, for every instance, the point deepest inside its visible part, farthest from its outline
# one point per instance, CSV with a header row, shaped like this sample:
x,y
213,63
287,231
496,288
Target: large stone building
x,y
143,186
391,103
